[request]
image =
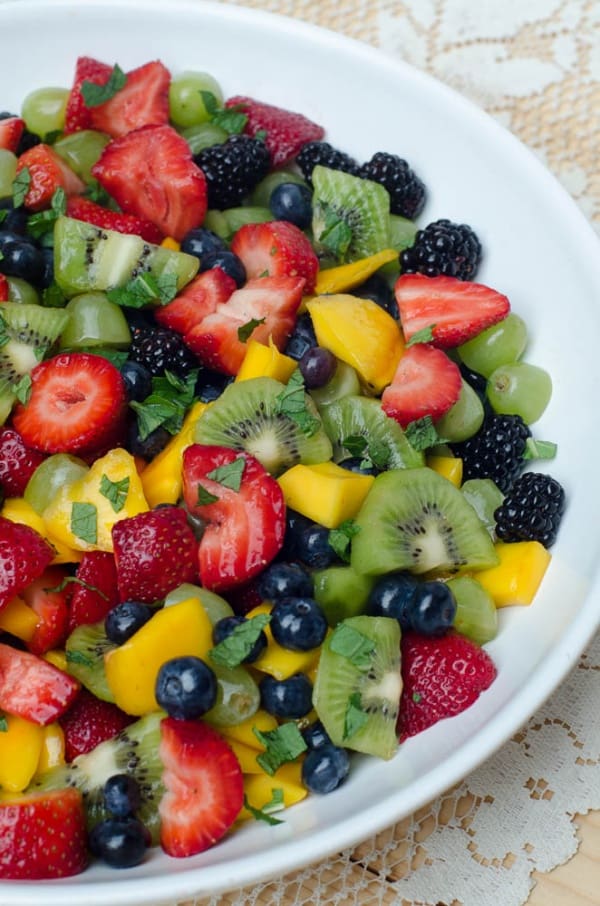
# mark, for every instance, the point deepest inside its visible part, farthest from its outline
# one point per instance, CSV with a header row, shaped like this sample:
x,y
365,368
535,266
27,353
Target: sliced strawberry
x,y
271,302
276,249
3,288
47,172
51,607
90,721
442,677
197,300
426,383
246,521
17,462
286,131
204,787
11,130
42,835
150,173
84,209
77,114
33,688
24,555
143,101
95,592
154,552
456,310
76,401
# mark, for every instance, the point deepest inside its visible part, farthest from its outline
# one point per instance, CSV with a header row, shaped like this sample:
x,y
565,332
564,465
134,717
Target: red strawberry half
x,y
197,300
286,131
24,555
46,599
33,688
95,592
456,310
17,462
76,404
77,114
47,173
204,787
155,552
84,209
426,383
244,508
42,835
90,721
143,101
11,130
276,249
442,677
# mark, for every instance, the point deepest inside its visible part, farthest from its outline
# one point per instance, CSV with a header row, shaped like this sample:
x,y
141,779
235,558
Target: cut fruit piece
x,y
341,592
47,173
450,467
346,277
265,361
24,555
343,383
32,688
285,130
426,383
20,749
276,249
28,332
413,519
463,419
358,685
325,492
485,497
518,574
142,101
84,650
476,614
161,478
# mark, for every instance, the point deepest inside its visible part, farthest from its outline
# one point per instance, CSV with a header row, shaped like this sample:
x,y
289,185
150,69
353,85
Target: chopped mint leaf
x,y
154,413
22,389
231,119
95,192
425,335
3,216
229,475
115,491
379,454
236,647
416,697
211,105
283,744
246,329
73,579
263,814
52,136
261,135
334,234
84,522
539,449
340,538
355,717
53,297
77,657
353,645
20,186
167,405
355,444
292,402
145,289
3,724
421,434
205,497
43,222
95,95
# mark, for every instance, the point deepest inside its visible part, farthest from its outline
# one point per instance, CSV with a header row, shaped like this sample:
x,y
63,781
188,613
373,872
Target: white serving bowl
x,y
539,250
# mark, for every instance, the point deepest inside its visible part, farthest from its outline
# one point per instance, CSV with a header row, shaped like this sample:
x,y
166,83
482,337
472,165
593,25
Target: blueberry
x,y
357,464
433,609
149,446
379,291
228,262
285,580
317,367
393,596
315,735
125,619
200,242
325,768
138,380
302,338
47,274
298,624
313,548
186,687
293,202
16,219
288,698
211,384
122,796
120,842
223,629
295,523
21,258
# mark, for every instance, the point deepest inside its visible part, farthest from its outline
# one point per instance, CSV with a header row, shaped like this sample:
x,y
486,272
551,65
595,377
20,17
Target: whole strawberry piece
x,y
425,383
286,131
154,552
143,100
33,688
204,787
276,249
77,114
18,462
442,677
96,591
42,835
24,555
88,722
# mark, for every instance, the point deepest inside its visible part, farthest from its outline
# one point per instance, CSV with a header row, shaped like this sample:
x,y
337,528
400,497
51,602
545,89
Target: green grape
x,y
226,223
186,105
238,696
519,389
21,291
51,475
402,232
215,606
485,497
498,345
204,135
8,170
44,110
476,614
95,321
464,419
261,194
81,150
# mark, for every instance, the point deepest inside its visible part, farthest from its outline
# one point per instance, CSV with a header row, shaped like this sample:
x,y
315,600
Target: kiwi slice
x,y
476,613
85,649
257,416
416,520
132,751
358,685
227,222
341,592
358,426
351,216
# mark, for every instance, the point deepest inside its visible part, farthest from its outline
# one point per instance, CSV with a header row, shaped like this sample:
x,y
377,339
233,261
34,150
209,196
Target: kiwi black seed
x,y
85,649
416,520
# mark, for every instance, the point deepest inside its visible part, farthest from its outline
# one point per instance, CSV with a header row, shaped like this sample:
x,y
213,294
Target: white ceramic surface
x,y
538,250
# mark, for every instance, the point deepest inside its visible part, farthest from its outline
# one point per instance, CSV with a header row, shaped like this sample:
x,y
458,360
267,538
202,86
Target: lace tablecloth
x,y
535,66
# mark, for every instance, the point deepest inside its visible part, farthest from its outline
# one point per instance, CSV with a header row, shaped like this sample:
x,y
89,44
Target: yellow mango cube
x,y
278,661
58,657
518,575
265,361
20,748
450,467
17,509
19,619
246,755
260,789
325,492
161,479
132,668
244,731
53,748
348,276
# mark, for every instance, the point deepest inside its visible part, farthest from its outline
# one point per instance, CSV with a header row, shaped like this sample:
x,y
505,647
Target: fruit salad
x,y
267,469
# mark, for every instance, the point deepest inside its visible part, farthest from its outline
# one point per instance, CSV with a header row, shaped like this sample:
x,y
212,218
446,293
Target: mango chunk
x,y
360,333
244,731
20,748
246,756
348,276
19,619
17,509
278,661
58,657
265,361
518,575
450,467
53,748
161,479
261,789
132,668
325,492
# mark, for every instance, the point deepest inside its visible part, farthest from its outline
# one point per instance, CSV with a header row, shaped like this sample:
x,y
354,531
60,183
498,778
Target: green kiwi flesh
x,y
416,520
247,416
358,685
27,331
85,649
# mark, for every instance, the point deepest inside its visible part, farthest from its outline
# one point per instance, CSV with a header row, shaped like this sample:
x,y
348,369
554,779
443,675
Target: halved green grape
x,y
94,321
261,195
8,169
498,345
215,606
226,223
519,389
464,419
57,471
238,696
186,104
485,497
476,614
81,150
204,135
44,110
21,291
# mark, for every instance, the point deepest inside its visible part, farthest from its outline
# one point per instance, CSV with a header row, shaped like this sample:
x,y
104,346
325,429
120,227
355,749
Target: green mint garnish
x,y
145,289
166,406
95,192
3,724
283,744
229,475
353,645
425,335
84,522
115,491
355,444
373,454
53,297
292,402
68,580
231,119
43,222
22,389
260,135
237,646
340,538
95,95
246,329
211,105
421,434
264,813
3,216
333,233
77,657
355,717
205,497
539,449
20,186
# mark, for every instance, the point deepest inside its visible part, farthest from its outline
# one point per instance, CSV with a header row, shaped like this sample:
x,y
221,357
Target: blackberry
x,y
233,169
326,155
159,349
496,451
407,191
532,510
443,247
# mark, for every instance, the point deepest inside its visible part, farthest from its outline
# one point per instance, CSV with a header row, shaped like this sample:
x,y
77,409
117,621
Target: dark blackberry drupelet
x,y
159,349
496,451
407,191
233,169
314,153
443,247
532,510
